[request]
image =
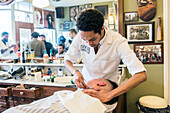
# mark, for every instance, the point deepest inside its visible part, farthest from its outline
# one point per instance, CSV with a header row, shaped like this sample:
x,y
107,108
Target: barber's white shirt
x,y
104,64
3,46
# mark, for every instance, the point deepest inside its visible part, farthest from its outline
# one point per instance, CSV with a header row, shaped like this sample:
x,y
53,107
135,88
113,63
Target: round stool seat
x,y
153,102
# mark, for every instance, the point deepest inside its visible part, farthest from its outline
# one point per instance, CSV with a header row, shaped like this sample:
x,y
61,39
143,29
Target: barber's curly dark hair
x,y
90,20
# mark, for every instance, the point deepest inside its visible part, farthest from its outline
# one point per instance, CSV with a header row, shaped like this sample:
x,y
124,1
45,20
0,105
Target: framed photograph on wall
x,y
66,25
131,16
74,12
81,8
61,26
103,9
140,32
49,20
38,18
149,53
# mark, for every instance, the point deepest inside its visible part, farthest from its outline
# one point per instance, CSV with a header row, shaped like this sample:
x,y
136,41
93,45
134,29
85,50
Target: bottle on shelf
x,y
23,56
19,55
45,57
32,54
49,72
60,72
51,56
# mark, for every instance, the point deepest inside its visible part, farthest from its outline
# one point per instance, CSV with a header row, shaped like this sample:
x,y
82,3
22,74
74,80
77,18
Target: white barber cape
x,y
104,64
63,102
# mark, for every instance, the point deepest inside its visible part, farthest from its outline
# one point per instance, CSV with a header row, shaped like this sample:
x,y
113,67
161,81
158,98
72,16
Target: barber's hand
x,y
13,45
79,80
102,95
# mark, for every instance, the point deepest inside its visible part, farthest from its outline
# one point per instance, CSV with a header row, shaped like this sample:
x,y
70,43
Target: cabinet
x,y
45,89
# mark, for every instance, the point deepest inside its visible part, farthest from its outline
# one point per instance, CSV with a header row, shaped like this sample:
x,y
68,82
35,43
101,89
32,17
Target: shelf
x,y
38,64
43,64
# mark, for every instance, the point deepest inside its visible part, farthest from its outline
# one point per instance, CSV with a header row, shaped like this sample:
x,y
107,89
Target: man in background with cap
x,y
48,45
37,45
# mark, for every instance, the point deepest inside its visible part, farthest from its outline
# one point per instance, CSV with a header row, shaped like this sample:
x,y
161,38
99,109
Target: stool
x,y
152,104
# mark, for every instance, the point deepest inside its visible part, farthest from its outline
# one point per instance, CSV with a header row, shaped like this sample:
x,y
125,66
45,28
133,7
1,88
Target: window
x,y
5,23
24,12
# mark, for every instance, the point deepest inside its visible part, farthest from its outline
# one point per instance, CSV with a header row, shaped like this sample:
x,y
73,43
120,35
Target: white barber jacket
x,y
104,64
3,46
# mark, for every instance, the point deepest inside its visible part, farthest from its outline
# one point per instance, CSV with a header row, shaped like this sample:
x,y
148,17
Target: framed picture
x,y
150,53
81,8
49,20
66,25
131,16
38,18
103,9
141,32
74,12
61,27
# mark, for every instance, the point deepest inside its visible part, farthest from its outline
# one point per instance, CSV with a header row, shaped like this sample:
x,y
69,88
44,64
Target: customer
x,y
48,45
37,45
61,51
102,50
4,46
55,103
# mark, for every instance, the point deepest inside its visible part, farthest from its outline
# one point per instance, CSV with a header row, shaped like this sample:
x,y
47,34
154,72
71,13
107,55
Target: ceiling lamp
x,y
40,3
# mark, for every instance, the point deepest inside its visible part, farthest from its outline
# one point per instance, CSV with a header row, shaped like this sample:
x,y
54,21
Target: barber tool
x,y
90,88
71,85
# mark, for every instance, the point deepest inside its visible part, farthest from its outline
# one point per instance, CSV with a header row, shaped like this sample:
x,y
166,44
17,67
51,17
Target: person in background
x,y
61,40
5,49
48,45
102,50
72,34
61,51
37,45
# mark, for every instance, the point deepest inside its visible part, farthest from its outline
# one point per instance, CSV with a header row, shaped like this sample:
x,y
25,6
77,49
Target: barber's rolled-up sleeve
x,y
73,52
129,58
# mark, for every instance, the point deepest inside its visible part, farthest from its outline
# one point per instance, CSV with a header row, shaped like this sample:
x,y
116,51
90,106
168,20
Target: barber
x,y
102,50
5,49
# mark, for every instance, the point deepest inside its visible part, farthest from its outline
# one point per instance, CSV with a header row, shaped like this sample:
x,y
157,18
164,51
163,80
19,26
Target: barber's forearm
x,y
129,84
69,66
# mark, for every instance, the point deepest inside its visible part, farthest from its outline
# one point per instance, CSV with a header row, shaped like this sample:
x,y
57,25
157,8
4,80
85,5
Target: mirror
x,y
23,20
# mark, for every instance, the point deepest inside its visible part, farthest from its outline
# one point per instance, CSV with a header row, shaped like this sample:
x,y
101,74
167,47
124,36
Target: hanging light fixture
x,y
40,3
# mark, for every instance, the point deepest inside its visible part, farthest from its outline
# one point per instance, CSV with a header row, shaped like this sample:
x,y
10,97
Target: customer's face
x,y
6,36
90,37
100,84
71,34
60,49
42,38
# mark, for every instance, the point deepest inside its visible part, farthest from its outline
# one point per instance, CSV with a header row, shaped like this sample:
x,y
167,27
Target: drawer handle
x,y
22,100
21,93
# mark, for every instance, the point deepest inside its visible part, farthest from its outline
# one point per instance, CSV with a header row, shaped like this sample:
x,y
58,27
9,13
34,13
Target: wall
x,y
155,76
66,16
